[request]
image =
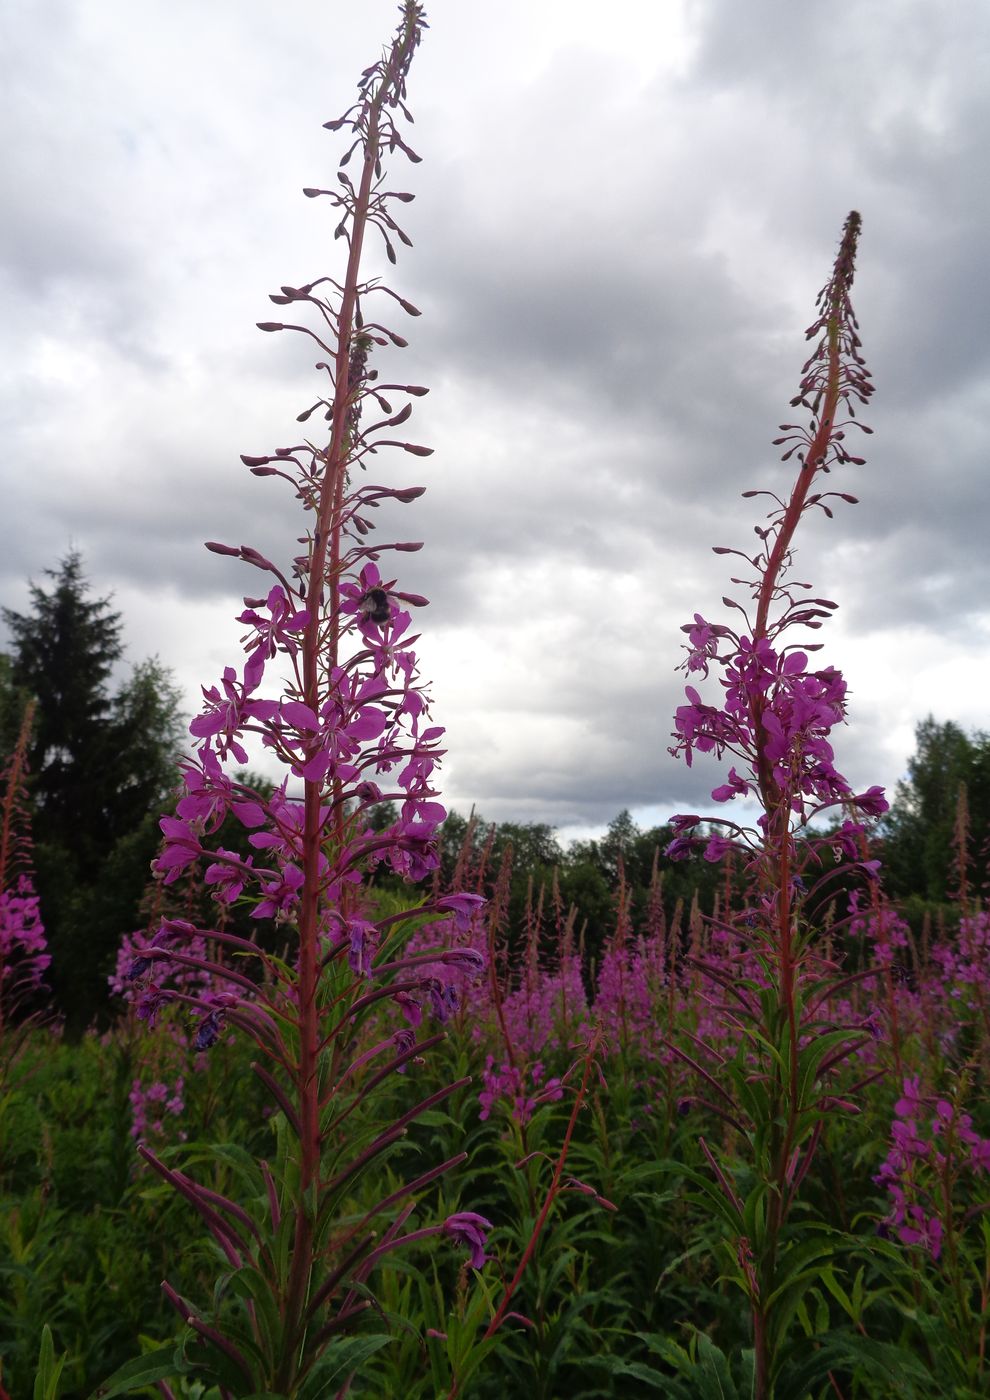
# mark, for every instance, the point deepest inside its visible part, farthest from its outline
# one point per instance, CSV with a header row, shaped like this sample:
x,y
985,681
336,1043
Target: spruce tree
x,y
101,765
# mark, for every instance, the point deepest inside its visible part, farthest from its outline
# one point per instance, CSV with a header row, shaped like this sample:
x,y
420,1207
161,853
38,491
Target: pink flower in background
x,y
22,935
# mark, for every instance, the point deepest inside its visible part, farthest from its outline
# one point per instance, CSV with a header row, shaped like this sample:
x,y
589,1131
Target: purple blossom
x,y
151,1002
718,848
444,999
362,937
464,907
410,1006
918,1175
182,848
703,638
403,1040
872,803
22,934
926,1230
508,1084
150,1103
470,1230
469,958
281,895
224,713
277,632
229,875
681,848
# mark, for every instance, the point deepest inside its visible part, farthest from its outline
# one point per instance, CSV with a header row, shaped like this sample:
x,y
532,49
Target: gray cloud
x,y
618,239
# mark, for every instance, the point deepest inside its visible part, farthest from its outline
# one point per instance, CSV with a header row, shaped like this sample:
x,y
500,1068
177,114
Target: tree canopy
x,y
948,779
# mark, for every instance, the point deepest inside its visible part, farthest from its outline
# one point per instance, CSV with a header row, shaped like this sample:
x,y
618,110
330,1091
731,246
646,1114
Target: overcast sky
x,y
622,218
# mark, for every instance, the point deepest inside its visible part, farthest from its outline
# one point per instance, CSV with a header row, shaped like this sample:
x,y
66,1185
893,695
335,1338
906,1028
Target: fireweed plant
x,y
291,1310
23,958
774,719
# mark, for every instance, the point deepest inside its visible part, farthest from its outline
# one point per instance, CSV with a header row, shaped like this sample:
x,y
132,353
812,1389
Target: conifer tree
x,y
101,764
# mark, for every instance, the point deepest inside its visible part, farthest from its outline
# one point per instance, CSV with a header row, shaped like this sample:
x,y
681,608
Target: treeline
x,y
586,886
934,846
102,772
935,840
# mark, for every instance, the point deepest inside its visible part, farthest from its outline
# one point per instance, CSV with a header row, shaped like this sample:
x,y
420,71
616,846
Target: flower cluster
x,y
882,928
149,1105
508,1083
543,1013
777,711
933,1144
964,963
369,722
776,717
23,959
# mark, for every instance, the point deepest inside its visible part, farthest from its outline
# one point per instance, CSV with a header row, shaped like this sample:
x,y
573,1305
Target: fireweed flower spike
x,y
773,718
777,712
23,959
349,721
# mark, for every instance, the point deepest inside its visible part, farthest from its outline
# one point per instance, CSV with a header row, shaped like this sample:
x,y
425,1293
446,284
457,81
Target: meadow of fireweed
x,y
738,1151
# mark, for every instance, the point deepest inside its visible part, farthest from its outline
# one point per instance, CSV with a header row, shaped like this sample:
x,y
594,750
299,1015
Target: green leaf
x,y
49,1370
249,1283
643,1373
888,1365
715,1369
338,1361
143,1370
811,1057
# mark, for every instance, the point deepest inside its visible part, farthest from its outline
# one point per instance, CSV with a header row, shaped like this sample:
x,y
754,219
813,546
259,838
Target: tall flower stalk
x,y
349,722
774,719
23,959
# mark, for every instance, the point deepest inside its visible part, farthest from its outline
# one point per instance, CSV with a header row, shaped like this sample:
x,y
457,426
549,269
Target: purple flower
x,y
912,1103
182,848
469,958
470,1230
464,908
403,1040
681,847
151,1002
363,939
281,895
224,714
276,632
229,875
845,841
444,999
735,787
718,848
926,1230
410,1007
872,802
22,934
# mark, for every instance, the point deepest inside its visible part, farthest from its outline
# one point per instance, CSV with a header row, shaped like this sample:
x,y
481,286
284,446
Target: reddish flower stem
x,y
316,663
552,1193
